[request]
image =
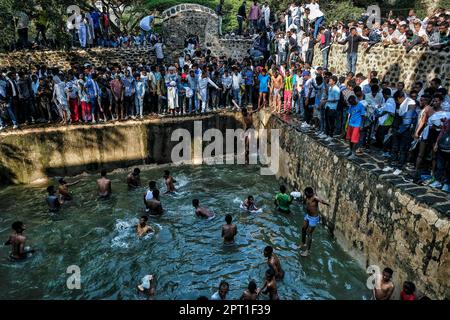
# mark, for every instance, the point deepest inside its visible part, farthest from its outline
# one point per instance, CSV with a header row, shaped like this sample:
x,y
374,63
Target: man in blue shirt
x,y
356,114
331,106
248,79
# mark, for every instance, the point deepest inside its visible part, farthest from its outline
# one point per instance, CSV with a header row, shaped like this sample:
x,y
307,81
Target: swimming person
x,y
201,212
149,193
384,286
274,262
63,189
17,242
229,230
52,200
221,294
133,179
142,228
148,285
169,182
312,218
283,200
154,207
270,284
104,186
251,293
249,204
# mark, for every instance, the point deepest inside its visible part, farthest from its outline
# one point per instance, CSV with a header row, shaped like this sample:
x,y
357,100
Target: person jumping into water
x,y
201,212
63,189
17,242
52,200
283,200
274,262
312,218
142,228
134,179
104,186
229,230
169,182
249,204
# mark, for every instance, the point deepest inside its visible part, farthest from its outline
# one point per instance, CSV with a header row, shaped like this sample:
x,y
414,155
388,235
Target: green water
x,y
185,253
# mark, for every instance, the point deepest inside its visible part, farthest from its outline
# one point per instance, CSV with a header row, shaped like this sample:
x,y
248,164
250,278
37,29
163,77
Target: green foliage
x,y
342,11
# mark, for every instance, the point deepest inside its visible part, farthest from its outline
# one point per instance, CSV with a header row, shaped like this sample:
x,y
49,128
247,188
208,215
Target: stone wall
x,y
379,218
33,154
64,59
393,63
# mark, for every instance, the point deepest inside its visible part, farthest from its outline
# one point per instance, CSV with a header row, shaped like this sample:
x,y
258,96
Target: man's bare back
x,y
274,262
170,184
203,212
104,187
17,242
154,207
229,231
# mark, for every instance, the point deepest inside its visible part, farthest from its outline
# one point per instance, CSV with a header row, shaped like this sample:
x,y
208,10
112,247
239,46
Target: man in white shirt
x,y
237,80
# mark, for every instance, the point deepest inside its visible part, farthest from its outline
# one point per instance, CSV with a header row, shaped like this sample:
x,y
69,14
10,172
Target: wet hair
x,y
309,192
250,197
252,286
283,188
228,218
166,172
103,173
195,202
136,171
389,271
268,249
223,285
270,273
155,193
409,287
51,189
145,218
17,226
152,184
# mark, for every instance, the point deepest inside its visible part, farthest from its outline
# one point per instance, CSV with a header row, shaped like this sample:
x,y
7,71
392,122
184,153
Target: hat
x,y
306,73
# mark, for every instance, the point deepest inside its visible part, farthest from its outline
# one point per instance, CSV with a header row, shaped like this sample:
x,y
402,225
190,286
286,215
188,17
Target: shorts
x,y
353,134
312,221
276,92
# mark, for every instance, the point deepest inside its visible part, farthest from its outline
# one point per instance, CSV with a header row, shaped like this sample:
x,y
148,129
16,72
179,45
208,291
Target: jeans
x,y
322,119
400,146
9,110
442,172
309,56
325,58
248,94
240,20
139,104
128,105
317,24
237,95
352,58
281,57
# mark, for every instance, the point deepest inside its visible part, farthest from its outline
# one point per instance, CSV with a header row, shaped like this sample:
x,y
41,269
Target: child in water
x,y
249,204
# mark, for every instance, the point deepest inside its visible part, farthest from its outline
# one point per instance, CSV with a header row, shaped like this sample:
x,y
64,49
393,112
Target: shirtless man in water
x,y
312,219
169,182
270,284
154,207
229,230
384,287
104,186
63,189
17,242
251,293
201,212
133,179
274,262
143,228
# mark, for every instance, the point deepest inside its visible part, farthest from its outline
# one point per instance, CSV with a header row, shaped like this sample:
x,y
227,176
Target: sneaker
x,y
397,172
436,184
425,177
428,181
446,187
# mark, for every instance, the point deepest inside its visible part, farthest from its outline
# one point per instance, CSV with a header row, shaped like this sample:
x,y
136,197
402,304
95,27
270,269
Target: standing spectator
x,y
83,31
105,26
6,101
158,47
60,98
356,114
288,86
139,95
128,96
117,93
72,96
334,94
253,17
353,41
325,43
316,16
25,93
265,15
241,16
237,81
219,12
